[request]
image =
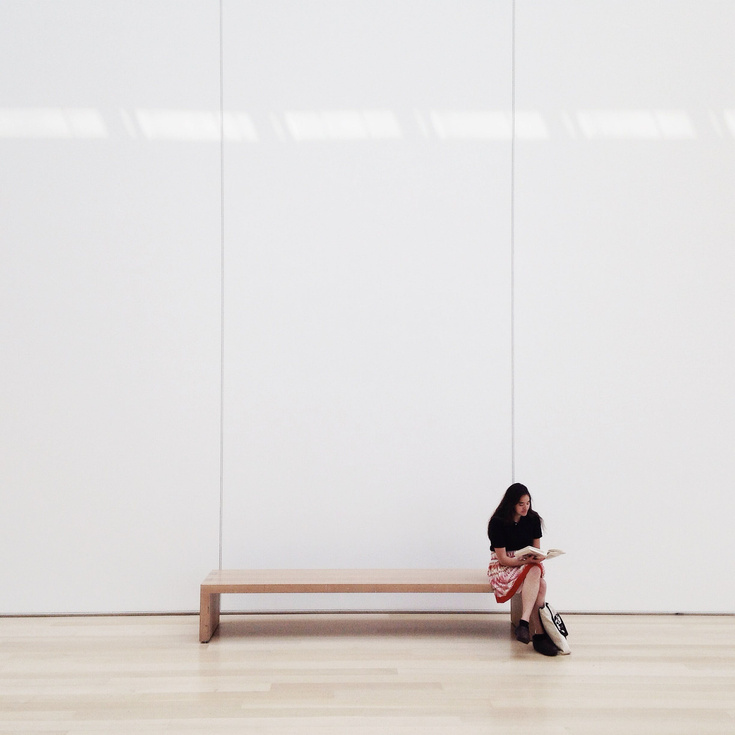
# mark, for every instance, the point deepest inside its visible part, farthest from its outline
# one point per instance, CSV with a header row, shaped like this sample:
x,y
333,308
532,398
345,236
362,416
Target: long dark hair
x,y
512,497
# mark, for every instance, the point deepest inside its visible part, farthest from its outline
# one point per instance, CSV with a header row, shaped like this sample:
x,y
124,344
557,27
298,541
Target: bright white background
x,y
367,295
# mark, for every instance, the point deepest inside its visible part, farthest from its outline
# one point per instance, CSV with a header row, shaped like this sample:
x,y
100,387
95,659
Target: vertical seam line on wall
x,y
512,243
222,286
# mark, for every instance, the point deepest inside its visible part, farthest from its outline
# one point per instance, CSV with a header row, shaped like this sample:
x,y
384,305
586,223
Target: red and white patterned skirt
x,y
506,581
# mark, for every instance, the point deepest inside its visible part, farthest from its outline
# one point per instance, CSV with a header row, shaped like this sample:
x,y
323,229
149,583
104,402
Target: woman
x,y
513,525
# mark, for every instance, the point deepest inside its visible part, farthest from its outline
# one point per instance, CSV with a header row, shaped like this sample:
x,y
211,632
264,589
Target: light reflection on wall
x,y
488,125
304,126
52,123
343,125
636,124
730,121
195,125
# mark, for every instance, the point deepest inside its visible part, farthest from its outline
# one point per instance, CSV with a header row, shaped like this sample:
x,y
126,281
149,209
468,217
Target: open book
x,y
549,554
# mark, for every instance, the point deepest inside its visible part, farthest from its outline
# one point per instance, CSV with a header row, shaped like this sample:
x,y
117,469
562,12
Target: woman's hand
x,y
528,558
509,561
532,558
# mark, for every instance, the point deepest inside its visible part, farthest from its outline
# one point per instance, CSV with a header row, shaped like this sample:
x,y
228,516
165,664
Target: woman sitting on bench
x,y
513,525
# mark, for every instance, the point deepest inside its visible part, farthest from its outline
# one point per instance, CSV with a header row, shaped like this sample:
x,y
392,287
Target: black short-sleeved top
x,y
513,536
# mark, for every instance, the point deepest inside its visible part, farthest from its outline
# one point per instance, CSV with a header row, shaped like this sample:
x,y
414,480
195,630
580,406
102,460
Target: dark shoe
x,y
523,634
544,645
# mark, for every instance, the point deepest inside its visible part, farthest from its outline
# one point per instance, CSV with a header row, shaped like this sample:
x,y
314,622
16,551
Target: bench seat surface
x,y
347,580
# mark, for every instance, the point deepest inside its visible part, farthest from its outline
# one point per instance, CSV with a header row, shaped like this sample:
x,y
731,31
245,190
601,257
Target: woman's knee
x,y
534,573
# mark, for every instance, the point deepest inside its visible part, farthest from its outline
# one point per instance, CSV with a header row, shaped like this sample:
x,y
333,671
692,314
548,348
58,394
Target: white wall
x,y
367,294
625,297
109,297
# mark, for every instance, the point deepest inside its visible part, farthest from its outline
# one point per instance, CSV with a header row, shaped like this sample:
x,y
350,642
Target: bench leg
x,y
516,610
208,614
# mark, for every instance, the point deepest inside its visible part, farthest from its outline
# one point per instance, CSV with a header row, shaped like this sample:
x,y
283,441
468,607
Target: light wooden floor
x,y
377,673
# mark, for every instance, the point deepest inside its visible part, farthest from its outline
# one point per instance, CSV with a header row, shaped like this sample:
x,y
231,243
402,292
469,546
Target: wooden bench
x,y
335,580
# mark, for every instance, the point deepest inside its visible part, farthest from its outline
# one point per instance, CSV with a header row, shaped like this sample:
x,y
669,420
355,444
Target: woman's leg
x,y
535,621
530,592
